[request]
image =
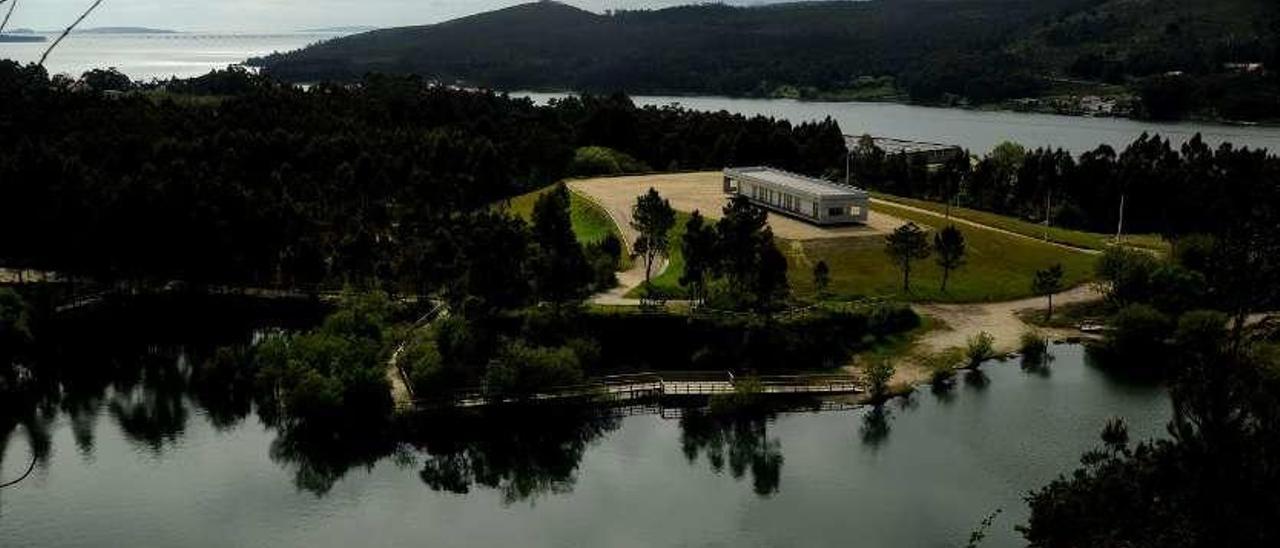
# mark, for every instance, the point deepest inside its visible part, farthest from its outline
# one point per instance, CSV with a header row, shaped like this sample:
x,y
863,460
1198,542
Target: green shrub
x,y
334,375
878,371
887,319
942,366
1201,332
981,347
596,160
1138,330
520,369
1033,345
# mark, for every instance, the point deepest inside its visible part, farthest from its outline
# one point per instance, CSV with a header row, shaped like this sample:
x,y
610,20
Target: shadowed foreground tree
x,y
562,273
905,245
1213,482
949,248
698,247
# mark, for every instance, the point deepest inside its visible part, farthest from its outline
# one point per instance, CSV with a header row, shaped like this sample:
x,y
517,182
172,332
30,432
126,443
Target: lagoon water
x,y
159,465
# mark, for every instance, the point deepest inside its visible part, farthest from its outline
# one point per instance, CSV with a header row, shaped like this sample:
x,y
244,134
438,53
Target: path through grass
x,y
1074,238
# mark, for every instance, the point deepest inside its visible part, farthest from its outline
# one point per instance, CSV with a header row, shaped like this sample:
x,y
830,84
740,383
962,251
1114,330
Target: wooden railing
x,y
653,385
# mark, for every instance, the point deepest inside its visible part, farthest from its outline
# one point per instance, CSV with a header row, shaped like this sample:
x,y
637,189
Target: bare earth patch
x,y
704,192
998,319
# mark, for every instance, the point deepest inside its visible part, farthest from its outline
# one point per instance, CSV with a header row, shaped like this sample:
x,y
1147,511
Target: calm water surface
x,y
188,54
156,471
147,56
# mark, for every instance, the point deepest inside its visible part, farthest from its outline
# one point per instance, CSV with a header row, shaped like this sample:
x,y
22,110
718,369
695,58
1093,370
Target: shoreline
x,y
1003,108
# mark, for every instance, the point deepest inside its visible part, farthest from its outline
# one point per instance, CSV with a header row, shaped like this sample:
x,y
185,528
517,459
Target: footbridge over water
x,y
651,386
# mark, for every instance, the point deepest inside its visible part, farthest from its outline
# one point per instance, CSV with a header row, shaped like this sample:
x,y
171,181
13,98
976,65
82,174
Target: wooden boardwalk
x,y
657,386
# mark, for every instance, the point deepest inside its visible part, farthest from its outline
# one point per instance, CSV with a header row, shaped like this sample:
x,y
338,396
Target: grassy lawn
x,y
590,222
1000,267
1075,238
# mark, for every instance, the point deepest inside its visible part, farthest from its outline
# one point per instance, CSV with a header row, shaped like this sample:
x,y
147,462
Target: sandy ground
x,y
999,319
962,321
703,192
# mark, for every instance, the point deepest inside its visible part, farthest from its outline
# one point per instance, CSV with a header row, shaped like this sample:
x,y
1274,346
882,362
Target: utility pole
x,y
1048,206
1120,225
848,154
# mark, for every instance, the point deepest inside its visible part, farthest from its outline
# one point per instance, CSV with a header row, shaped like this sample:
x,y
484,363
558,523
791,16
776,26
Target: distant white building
x,y
813,200
933,153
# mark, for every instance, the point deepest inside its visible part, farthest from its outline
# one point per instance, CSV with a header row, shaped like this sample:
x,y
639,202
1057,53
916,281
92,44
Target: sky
x,y
280,15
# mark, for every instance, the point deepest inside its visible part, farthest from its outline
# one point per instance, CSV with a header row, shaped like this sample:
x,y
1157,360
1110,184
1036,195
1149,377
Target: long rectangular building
x,y
814,200
933,153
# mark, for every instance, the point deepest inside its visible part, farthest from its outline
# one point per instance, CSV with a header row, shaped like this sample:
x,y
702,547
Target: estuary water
x,y
976,130
147,56
147,448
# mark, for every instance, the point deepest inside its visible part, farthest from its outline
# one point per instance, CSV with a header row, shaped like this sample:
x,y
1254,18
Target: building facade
x,y
813,200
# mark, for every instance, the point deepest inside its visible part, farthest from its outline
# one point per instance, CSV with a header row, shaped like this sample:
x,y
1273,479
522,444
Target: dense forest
x,y
1158,188
1177,57
384,183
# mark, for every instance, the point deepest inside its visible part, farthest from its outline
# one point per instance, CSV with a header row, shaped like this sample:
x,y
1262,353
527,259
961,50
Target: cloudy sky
x,y
279,15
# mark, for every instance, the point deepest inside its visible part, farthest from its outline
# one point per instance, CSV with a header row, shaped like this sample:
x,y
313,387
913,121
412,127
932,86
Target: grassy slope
x,y
1000,266
1074,238
590,222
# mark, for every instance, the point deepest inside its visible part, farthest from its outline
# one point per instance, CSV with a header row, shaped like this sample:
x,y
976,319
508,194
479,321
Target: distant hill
x,y
125,30
340,30
980,51
20,38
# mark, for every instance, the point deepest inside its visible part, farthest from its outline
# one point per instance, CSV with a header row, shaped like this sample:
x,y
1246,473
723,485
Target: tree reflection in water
x,y
519,453
875,426
740,439
151,370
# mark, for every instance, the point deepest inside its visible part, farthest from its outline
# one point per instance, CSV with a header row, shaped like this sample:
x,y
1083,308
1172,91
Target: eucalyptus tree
x,y
906,245
652,218
1046,283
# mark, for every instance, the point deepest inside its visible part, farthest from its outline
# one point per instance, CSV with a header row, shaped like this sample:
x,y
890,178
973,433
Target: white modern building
x,y
814,200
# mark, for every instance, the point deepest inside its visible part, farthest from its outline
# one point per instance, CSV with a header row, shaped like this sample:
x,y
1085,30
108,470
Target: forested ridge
x,y
386,182
1179,57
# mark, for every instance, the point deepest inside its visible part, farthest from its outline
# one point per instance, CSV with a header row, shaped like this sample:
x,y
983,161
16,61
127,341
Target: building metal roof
x,y
800,183
898,146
